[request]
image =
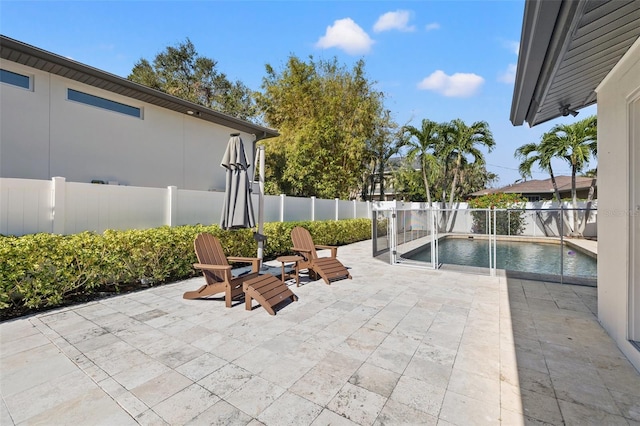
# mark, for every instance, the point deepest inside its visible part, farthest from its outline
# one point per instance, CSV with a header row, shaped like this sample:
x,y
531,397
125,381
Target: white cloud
x,y
398,20
509,76
346,35
458,85
513,46
432,26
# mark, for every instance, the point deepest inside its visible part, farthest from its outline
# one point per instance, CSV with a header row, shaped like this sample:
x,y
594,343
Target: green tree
x,y
576,144
384,144
458,143
531,154
422,146
181,72
325,114
541,154
461,141
408,182
510,222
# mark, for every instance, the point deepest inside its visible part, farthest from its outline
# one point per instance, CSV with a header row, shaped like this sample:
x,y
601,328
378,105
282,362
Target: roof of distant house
x,y
539,186
25,54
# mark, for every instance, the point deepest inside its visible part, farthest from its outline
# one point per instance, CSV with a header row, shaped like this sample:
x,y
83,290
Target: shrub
x,y
507,222
47,270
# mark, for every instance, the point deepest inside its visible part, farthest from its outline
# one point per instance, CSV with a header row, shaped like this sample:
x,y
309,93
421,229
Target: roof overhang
x,y
567,48
25,54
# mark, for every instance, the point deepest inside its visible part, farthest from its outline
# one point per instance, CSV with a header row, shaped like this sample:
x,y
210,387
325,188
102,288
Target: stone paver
x,y
394,345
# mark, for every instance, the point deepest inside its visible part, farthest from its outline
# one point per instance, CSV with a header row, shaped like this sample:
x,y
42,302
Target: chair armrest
x,y
254,261
334,249
305,253
212,267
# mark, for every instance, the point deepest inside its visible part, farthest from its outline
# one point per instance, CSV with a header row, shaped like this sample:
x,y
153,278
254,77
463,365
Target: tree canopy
x,y
181,72
449,161
329,118
574,143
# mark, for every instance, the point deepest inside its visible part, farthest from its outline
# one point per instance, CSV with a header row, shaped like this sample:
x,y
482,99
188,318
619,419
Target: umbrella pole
x,y
261,201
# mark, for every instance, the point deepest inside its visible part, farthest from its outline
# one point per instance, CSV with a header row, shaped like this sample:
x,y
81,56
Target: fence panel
x,y
204,207
297,209
484,241
26,206
345,209
363,209
325,209
97,208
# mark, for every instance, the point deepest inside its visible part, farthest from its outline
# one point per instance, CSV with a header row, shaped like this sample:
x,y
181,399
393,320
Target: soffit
x,y
567,48
16,51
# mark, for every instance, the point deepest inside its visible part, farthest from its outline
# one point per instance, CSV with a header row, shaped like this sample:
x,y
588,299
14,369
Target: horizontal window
x,y
85,98
15,79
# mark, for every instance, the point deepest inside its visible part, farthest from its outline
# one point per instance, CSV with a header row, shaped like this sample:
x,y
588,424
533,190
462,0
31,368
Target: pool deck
x,y
394,345
589,246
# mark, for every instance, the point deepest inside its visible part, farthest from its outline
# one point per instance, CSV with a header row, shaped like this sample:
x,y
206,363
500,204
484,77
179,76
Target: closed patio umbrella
x,y
237,211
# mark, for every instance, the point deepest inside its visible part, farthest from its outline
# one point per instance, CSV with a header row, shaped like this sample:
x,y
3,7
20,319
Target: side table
x,y
291,259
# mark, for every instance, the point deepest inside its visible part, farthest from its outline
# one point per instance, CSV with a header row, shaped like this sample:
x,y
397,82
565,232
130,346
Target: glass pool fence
x,y
538,244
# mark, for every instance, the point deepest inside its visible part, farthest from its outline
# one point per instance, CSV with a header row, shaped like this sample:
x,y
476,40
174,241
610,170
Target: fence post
x,y
369,211
282,207
313,208
337,208
355,210
171,213
58,204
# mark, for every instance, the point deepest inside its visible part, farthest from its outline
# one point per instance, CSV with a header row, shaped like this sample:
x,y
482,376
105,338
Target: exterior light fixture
x,y
190,112
566,110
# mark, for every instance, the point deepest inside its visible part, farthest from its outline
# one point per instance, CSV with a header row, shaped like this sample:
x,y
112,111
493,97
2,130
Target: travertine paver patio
x,y
395,345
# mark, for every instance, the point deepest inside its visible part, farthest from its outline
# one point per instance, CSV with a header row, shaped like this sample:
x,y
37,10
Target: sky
x,y
438,59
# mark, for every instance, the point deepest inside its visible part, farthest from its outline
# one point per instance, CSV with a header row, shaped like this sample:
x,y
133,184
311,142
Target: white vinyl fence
x,y
30,206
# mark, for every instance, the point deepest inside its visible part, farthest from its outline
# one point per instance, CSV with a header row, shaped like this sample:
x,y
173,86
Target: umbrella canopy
x,y
237,211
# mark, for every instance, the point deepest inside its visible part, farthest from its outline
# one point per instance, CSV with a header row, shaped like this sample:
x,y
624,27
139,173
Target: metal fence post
x,y
313,208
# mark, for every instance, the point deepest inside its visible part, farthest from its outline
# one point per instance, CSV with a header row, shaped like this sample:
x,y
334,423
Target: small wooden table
x,y
291,259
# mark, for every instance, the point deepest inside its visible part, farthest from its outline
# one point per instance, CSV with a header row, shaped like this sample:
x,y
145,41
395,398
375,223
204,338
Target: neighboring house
x,y
540,190
390,194
574,54
63,118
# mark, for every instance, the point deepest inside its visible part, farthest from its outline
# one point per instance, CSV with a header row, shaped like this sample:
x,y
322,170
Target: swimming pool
x,y
532,257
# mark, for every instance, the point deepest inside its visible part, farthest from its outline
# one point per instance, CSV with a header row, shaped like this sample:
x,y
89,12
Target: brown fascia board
x,y
25,54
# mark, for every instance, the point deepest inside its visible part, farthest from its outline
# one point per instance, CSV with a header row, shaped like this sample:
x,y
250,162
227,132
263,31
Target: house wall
x,y
617,142
43,134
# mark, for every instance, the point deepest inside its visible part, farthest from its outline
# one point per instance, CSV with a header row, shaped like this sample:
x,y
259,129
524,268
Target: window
x,y
533,198
15,79
85,98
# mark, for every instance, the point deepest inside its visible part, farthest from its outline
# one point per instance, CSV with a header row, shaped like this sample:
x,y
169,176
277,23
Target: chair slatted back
x,y
302,239
209,251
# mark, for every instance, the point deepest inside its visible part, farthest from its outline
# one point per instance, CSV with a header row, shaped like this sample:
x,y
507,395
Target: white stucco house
x,y
59,117
574,54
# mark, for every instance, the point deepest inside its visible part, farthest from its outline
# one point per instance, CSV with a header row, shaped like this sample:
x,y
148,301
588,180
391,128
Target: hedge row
x,y
46,270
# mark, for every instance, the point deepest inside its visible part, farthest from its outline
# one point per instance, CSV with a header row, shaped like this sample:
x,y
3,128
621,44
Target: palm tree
x,y
575,143
532,153
461,141
422,144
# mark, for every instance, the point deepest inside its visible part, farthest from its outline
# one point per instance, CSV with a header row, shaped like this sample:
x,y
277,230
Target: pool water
x,y
540,258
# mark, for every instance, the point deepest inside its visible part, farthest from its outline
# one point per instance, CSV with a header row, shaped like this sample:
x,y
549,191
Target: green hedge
x,y
46,270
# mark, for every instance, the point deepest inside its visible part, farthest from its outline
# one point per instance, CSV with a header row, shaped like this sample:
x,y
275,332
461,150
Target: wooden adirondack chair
x,y
329,268
266,289
217,270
